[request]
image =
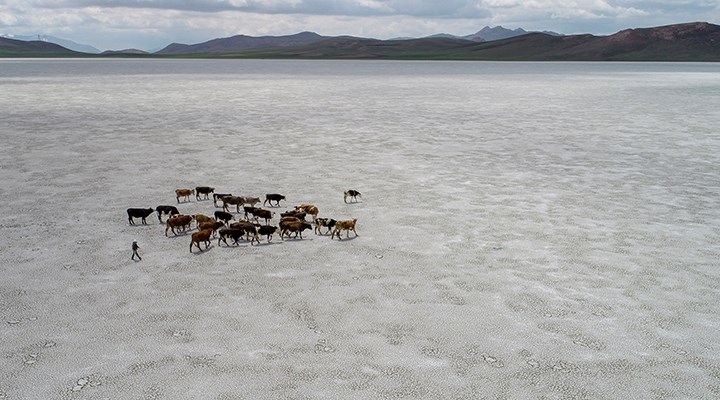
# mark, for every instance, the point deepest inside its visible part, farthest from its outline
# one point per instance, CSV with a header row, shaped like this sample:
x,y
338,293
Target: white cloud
x,y
7,16
155,23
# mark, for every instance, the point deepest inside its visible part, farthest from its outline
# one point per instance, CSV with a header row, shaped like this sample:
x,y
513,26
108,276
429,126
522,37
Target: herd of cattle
x,y
247,228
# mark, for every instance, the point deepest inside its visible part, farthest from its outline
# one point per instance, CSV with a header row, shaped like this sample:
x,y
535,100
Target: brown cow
x,y
289,219
293,226
200,218
262,213
252,201
186,193
180,221
347,225
214,226
237,201
309,209
294,213
202,236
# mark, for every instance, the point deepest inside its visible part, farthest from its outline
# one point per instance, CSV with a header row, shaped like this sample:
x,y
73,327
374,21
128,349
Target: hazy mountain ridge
x,y
695,41
124,51
485,34
488,34
35,48
68,44
243,42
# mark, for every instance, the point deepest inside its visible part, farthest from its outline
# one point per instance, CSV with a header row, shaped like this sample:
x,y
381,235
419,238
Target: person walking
x,y
135,248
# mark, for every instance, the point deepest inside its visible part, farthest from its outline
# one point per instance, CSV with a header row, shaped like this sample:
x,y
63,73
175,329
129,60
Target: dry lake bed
x,y
527,230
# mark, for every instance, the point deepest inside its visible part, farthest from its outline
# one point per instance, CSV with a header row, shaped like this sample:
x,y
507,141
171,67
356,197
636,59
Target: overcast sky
x,y
151,24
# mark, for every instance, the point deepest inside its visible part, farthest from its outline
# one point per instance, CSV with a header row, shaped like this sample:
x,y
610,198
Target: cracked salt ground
x,y
559,242
31,359
323,346
80,384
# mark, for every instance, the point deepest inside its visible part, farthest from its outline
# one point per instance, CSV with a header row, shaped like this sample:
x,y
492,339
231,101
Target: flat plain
x,y
525,231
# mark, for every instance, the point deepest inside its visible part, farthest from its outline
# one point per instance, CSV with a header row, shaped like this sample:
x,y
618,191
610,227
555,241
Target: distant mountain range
x,y
243,42
488,34
696,41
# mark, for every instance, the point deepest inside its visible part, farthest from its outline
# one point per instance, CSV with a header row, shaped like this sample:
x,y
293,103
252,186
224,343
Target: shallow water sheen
x,y
526,230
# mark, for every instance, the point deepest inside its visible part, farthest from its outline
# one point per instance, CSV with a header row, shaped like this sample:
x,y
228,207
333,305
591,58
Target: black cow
x,y
326,222
267,230
274,197
218,197
138,213
249,210
264,214
233,233
224,216
167,210
353,194
206,190
250,230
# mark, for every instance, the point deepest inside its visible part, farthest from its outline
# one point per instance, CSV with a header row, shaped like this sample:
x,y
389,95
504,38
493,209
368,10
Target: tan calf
x,y
347,225
186,193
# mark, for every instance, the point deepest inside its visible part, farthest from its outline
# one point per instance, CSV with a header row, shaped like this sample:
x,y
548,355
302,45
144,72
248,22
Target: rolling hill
x,y
696,41
243,42
34,48
68,44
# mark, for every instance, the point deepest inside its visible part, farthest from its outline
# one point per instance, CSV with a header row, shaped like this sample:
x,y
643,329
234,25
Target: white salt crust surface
x,y
534,247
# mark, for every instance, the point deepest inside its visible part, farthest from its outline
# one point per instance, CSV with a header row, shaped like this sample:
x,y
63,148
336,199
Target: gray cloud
x,y
683,6
418,8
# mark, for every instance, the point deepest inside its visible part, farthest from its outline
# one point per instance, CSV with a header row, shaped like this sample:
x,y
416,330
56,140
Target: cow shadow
x,y
184,234
298,239
266,243
203,251
232,245
347,238
140,224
